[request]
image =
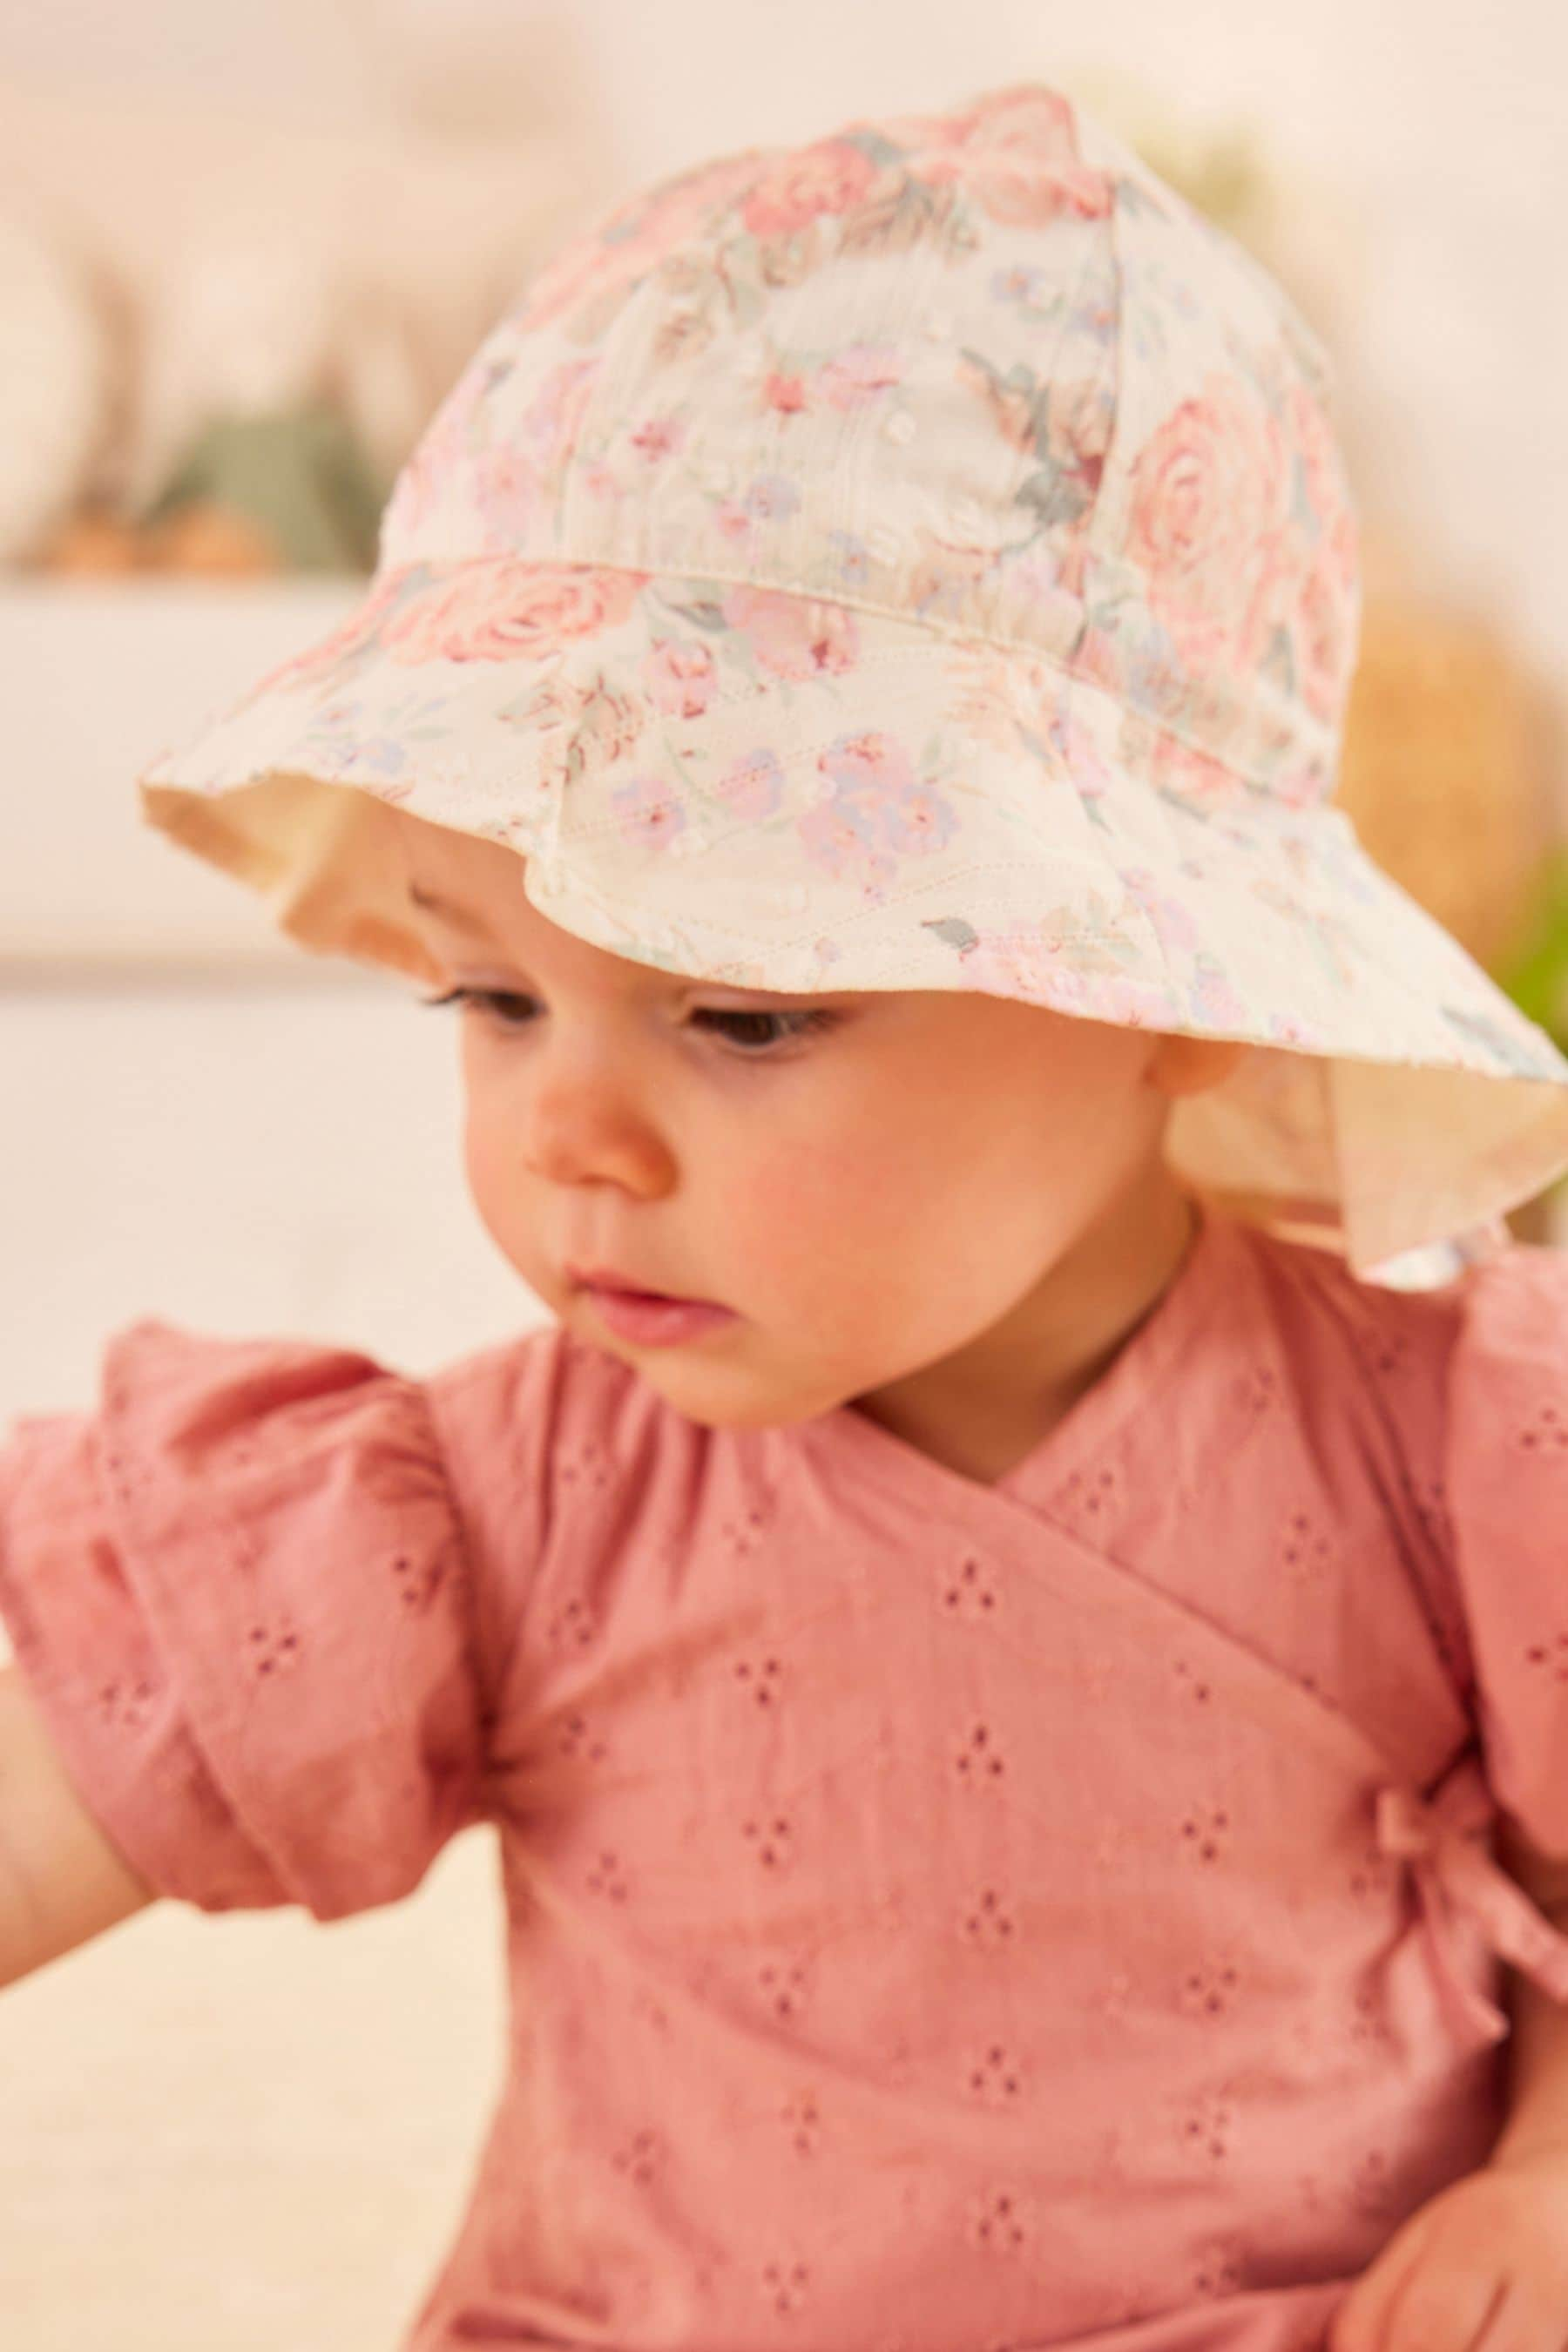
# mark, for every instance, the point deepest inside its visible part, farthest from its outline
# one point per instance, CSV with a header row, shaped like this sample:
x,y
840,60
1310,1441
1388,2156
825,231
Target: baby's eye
x,y
489,999
740,1027
737,1026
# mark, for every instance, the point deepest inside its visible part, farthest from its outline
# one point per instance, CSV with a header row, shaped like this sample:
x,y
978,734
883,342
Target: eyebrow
x,y
459,916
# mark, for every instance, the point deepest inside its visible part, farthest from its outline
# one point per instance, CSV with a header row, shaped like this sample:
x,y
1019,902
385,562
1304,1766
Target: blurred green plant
x,y
1535,972
298,476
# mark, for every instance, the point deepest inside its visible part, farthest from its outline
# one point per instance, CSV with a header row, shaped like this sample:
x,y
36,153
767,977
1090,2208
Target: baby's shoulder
x,y
1490,1345
1507,1388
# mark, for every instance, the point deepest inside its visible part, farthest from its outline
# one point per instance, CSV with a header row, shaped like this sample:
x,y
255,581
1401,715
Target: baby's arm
x,y
61,1880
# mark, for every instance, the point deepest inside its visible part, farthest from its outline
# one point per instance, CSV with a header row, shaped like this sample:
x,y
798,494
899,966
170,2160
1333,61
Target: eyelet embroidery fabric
x,y
941,1914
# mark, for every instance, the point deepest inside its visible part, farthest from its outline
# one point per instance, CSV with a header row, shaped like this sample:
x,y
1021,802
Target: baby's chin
x,y
728,1397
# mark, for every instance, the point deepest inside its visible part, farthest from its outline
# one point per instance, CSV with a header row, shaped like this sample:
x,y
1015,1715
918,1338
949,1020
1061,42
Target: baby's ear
x,y
1189,1066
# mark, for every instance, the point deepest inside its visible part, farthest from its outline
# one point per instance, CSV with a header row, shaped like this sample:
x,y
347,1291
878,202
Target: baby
x,y
993,1625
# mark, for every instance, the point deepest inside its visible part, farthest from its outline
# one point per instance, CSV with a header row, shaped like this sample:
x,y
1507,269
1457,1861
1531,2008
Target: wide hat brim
x,y
774,790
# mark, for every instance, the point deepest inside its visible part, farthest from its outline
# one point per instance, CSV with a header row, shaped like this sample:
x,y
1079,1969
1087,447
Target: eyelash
x,y
802,1021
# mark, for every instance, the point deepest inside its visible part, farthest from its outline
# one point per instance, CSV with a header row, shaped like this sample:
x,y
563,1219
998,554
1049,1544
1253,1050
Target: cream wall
x,y
254,2132
1440,127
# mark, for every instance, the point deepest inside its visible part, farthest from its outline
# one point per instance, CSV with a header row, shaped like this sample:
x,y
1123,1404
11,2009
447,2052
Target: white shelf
x,y
98,680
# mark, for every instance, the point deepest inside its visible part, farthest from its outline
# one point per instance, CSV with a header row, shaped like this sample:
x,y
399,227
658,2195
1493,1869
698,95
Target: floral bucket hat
x,y
921,558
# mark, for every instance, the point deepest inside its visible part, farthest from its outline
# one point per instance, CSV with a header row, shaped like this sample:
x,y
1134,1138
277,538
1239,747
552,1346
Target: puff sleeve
x,y
240,1590
1506,1480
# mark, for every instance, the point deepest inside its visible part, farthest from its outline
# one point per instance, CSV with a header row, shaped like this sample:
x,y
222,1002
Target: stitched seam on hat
x,y
950,635
788,749
746,933
801,734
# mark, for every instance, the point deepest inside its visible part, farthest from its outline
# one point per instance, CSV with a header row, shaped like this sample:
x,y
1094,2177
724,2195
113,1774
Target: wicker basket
x,y
1448,772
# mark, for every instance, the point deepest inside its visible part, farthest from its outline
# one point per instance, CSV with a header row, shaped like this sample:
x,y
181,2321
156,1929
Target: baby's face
x,y
870,1190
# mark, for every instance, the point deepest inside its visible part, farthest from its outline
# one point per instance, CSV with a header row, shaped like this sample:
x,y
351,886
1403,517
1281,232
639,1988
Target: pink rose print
x,y
1203,783
1301,786
996,700
681,676
752,787
1174,926
929,134
1089,772
1053,585
877,806
1022,195
1040,121
1040,971
319,660
607,719
1017,154
942,574
794,636
553,418
1275,585
1036,122
856,374
732,522
1081,421
871,764
503,610
1208,496
875,789
1100,658
505,490
772,498
786,395
631,242
650,810
839,846
1314,439
830,177
1112,996
919,819
1323,642
577,716
659,436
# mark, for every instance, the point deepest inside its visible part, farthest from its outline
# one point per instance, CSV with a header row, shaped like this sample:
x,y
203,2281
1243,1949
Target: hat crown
x,y
984,372
918,561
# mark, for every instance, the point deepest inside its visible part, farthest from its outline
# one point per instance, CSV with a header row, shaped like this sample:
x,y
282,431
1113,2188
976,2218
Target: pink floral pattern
x,y
797,190
500,610
1207,498
791,638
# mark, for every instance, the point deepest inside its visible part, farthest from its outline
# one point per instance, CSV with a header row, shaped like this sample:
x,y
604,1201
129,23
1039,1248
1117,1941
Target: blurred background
x,y
242,253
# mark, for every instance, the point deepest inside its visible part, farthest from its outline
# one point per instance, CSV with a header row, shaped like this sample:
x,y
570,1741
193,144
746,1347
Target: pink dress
x,y
942,1917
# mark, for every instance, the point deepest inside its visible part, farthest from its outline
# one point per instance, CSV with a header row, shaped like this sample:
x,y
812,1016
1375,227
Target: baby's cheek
x,y
498,1197
825,1223
818,1186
